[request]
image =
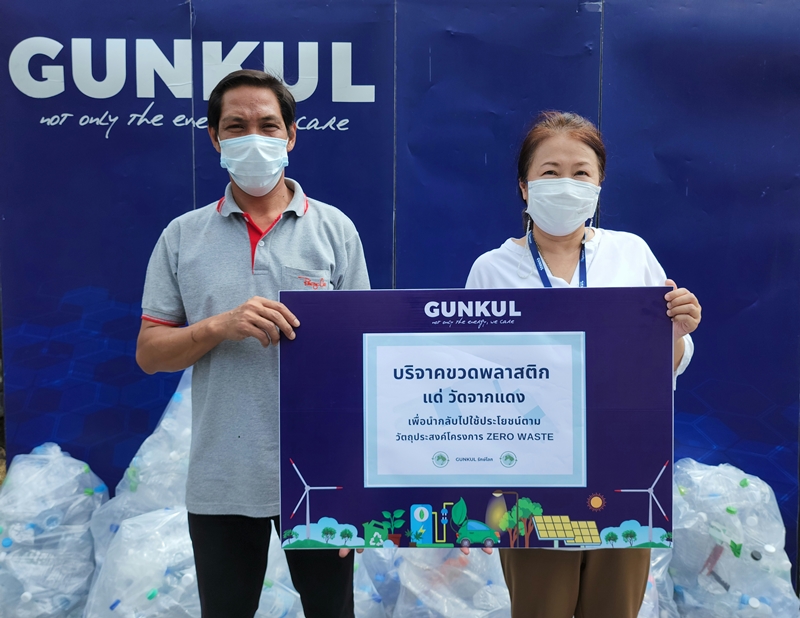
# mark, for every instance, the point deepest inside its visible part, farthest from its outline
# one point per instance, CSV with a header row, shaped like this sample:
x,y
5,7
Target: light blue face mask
x,y
560,206
254,162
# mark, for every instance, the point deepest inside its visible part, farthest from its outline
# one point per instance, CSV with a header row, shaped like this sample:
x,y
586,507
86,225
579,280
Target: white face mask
x,y
254,162
560,206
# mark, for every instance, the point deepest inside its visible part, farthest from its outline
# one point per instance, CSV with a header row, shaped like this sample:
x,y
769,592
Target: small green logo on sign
x,y
440,459
508,459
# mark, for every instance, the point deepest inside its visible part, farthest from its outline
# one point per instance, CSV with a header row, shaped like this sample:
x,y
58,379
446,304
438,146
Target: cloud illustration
x,y
640,530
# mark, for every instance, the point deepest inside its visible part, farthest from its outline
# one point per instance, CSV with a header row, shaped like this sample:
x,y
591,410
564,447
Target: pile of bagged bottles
x,y
46,561
66,551
729,557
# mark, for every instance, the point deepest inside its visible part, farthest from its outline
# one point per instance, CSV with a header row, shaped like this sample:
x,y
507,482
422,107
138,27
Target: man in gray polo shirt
x,y
218,270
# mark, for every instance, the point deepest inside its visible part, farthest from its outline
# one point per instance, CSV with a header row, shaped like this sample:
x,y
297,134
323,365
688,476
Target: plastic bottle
x,y
751,607
776,562
49,519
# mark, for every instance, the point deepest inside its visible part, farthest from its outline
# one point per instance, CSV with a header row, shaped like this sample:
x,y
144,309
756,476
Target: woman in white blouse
x,y
560,167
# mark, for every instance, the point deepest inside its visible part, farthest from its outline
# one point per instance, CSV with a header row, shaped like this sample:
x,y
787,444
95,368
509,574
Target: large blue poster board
x,y
527,418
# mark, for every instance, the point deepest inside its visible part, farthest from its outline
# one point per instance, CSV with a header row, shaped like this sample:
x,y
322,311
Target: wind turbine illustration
x,y
653,498
307,497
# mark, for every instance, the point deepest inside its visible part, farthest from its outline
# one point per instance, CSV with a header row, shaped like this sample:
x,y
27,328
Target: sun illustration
x,y
596,502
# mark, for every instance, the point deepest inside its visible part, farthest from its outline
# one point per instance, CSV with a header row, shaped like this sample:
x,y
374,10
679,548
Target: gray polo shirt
x,y
209,261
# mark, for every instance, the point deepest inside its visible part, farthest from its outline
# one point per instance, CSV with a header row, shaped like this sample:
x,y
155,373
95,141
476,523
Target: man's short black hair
x,y
259,79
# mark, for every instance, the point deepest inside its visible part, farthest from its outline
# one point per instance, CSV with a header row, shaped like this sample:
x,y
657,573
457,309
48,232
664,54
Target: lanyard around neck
x,y
539,262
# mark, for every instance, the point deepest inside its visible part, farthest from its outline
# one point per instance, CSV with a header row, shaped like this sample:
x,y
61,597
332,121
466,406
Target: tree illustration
x,y
290,534
629,536
611,538
328,533
511,524
346,535
520,523
527,511
667,538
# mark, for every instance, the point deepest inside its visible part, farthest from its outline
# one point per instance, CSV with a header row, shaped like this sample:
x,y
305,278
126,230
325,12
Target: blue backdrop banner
x,y
410,114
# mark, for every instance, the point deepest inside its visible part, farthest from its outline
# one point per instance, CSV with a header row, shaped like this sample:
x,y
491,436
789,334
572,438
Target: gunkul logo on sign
x,y
150,61
471,308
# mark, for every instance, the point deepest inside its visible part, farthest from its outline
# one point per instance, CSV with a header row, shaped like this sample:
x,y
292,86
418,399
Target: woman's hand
x,y
683,309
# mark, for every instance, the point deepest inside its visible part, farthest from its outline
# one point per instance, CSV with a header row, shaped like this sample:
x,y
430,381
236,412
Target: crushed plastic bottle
x,y
729,538
46,553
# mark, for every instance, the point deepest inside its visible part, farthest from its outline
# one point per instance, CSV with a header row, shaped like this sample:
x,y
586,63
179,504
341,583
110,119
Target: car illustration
x,y
474,532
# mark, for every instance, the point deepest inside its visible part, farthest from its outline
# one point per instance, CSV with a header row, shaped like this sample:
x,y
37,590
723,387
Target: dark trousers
x,y
230,553
598,583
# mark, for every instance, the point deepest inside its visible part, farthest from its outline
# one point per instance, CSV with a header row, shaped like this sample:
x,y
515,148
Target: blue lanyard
x,y
537,259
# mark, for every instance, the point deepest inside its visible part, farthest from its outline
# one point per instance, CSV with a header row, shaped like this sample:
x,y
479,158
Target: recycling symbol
x,y
376,540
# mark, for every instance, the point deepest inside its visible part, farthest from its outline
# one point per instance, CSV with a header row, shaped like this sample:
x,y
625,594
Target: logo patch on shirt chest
x,y
314,285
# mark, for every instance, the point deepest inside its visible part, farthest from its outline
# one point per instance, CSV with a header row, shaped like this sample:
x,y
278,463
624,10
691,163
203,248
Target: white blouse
x,y
613,259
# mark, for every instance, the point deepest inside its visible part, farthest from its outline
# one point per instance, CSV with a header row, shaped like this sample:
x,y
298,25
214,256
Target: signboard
x,y
527,418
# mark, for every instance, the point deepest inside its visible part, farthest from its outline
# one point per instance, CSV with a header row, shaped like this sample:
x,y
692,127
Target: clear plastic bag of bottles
x,y
368,603
156,477
149,572
278,601
658,601
445,582
46,554
382,566
728,557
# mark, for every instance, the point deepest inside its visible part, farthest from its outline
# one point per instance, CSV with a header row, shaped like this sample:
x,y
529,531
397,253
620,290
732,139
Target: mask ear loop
x,y
520,274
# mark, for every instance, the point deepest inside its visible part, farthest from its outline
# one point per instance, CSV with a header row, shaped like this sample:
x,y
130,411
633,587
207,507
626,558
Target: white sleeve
x,y
475,279
688,352
653,271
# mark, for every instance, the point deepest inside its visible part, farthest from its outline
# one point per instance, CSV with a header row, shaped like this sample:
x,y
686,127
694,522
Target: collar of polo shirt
x,y
298,205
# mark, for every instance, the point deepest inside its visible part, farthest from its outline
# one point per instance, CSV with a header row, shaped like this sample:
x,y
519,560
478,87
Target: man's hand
x,y
260,318
167,348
